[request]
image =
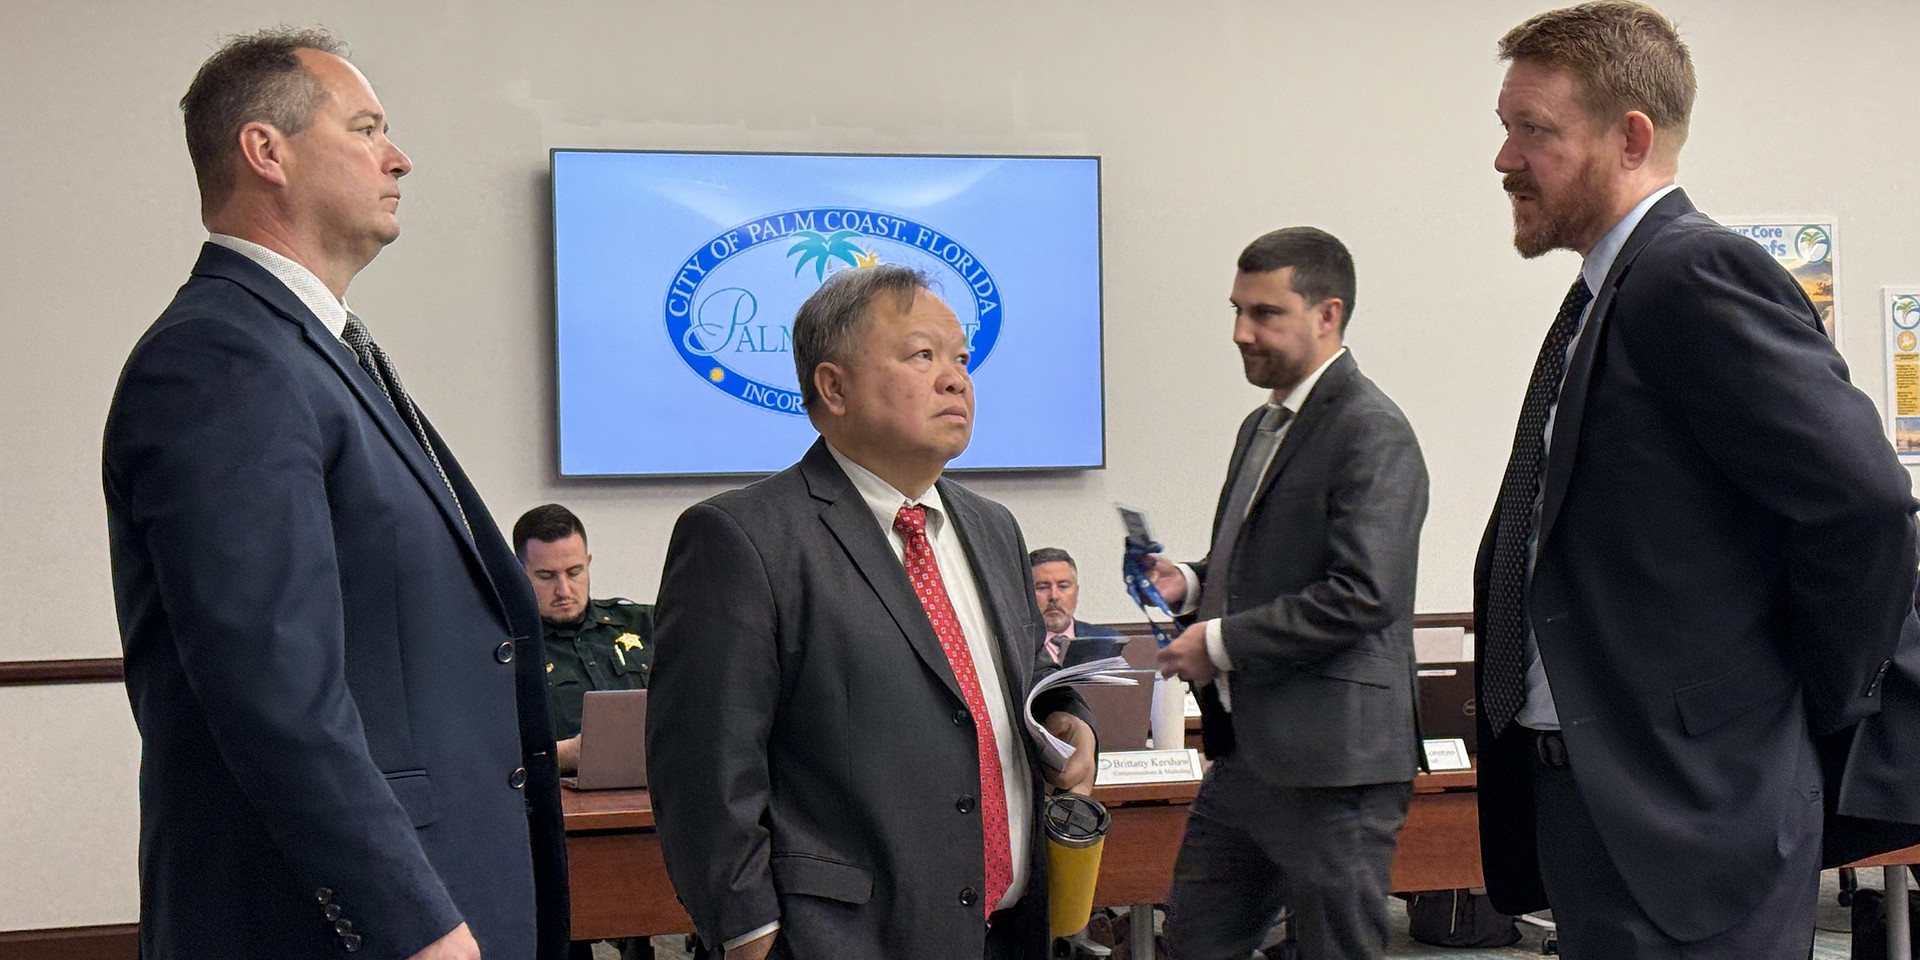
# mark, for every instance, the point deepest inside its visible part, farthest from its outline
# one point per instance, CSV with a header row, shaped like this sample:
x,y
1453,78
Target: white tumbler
x,y
1169,713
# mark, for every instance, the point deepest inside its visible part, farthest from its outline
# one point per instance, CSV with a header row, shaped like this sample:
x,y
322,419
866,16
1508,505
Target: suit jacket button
x,y
1873,686
961,717
342,928
331,912
518,778
964,804
323,896
504,652
350,942
968,897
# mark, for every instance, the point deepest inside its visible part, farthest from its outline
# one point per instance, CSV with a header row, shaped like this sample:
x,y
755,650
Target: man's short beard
x,y
1575,220
1048,614
1282,373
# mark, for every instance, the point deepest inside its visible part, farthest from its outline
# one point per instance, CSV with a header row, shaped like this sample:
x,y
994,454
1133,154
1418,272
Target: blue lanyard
x,y
1133,566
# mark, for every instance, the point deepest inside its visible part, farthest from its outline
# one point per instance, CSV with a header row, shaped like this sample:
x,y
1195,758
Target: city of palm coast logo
x,y
730,305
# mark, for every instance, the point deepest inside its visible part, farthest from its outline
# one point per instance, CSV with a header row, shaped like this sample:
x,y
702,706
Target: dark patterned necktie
x,y
924,570
379,366
1253,466
1503,677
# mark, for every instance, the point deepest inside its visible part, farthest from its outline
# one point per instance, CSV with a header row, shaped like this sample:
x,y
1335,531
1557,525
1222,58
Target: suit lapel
x,y
979,539
853,524
1240,442
1570,410
1326,395
218,261
398,434
502,571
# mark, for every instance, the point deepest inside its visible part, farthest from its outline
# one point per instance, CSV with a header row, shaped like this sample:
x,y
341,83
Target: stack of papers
x,y
1054,750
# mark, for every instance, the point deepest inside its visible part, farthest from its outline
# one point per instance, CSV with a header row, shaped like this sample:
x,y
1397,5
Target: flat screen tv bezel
x,y
1100,285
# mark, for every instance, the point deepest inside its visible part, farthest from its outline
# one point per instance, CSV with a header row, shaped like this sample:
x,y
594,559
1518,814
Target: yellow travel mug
x,y
1076,830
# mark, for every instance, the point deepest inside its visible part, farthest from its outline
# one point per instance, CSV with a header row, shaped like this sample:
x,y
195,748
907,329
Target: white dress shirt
x,y
314,294
1537,710
1216,644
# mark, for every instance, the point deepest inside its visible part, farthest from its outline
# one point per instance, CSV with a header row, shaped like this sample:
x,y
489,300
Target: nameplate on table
x,y
1447,754
1120,767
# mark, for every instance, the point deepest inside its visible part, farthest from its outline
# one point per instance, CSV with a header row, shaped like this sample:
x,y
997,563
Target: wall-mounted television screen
x,y
677,276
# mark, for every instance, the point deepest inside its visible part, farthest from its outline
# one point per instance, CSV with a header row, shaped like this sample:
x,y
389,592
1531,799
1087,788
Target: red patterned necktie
x,y
924,571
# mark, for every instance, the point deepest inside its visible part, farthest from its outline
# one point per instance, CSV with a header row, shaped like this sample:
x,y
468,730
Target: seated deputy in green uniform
x,y
589,644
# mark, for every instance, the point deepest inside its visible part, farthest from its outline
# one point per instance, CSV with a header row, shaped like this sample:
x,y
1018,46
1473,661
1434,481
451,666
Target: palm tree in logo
x,y
821,250
1813,244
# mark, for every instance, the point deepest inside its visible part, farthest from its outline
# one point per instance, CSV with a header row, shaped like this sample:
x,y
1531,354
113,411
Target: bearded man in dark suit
x,y
1701,561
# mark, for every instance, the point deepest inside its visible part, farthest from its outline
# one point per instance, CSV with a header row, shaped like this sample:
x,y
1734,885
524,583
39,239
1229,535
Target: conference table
x,y
620,887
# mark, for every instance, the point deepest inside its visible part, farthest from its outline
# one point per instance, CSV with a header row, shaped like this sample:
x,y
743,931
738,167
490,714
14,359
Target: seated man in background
x,y
589,644
1056,588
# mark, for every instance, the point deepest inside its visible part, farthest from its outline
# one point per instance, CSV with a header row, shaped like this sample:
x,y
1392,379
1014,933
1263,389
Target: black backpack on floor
x,y
1458,918
1870,924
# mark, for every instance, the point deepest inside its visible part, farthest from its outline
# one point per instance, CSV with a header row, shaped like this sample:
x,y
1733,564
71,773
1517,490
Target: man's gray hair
x,y
827,328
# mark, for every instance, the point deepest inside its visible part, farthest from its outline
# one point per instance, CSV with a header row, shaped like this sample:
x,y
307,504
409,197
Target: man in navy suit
x,y
345,744
1056,588
1700,564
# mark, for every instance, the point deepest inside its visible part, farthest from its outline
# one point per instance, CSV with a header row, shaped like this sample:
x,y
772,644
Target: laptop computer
x,y
613,741
1446,701
1122,716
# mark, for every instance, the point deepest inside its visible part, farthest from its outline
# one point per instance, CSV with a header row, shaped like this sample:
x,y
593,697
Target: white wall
x,y
1217,122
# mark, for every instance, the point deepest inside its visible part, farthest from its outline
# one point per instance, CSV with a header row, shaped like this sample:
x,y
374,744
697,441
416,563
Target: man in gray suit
x,y
1301,643
836,742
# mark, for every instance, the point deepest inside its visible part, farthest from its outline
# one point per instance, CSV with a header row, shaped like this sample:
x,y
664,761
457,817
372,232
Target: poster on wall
x,y
1901,308
1806,250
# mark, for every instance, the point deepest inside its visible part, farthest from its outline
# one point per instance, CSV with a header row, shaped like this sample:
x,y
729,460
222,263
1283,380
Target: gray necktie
x,y
379,366
1253,466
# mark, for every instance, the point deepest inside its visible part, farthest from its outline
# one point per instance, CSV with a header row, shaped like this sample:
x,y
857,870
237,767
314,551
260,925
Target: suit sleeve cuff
x,y
750,936
1217,647
1192,599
